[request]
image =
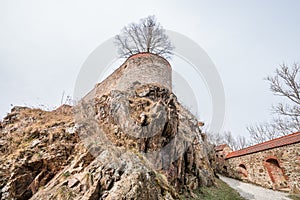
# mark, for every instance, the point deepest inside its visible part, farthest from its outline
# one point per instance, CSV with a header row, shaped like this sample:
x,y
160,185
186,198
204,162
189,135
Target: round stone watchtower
x,y
138,69
146,68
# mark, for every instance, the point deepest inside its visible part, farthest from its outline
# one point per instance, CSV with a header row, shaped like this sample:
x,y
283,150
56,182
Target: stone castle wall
x,y
220,158
142,68
277,168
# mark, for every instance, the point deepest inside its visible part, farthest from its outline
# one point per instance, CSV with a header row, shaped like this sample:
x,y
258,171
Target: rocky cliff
x,y
137,144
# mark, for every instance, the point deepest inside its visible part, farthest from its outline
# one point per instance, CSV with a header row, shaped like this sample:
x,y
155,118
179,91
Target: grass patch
x,y
64,193
66,174
294,196
219,192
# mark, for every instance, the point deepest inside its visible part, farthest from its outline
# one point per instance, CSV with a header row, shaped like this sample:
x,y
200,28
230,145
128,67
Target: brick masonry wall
x,y
143,68
277,168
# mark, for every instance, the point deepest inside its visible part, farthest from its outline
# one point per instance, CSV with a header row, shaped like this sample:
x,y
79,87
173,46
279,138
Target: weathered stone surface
x,y
112,175
277,168
127,139
34,153
139,69
44,161
221,151
168,136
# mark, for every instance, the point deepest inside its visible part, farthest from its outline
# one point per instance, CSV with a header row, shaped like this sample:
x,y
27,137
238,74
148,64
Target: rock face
x,y
44,158
136,143
150,121
35,147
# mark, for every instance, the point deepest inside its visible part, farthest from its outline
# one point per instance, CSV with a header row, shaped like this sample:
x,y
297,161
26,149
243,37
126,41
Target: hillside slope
x,y
139,144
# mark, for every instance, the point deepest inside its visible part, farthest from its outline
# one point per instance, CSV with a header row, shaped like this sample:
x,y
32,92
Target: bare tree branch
x,y
285,83
241,142
230,140
146,36
262,132
227,138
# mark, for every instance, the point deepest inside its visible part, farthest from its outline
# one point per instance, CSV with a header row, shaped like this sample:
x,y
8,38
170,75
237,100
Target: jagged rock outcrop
x,y
129,138
137,144
148,119
36,145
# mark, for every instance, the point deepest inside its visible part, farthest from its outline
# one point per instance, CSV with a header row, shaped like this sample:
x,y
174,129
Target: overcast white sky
x,y
43,45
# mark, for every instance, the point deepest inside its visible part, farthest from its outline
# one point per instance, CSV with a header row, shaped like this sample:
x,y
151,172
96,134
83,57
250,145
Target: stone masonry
x,y
274,164
129,138
221,152
138,69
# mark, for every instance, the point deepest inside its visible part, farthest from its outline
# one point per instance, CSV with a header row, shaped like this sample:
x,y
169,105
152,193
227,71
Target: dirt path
x,y
249,191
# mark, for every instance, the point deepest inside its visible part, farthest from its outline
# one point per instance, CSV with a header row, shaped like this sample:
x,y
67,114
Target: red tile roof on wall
x,y
278,142
220,147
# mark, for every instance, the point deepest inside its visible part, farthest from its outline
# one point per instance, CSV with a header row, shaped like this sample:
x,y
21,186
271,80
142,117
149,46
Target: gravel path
x,y
250,191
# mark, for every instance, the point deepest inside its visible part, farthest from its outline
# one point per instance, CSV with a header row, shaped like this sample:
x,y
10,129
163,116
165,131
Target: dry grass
x,y
219,192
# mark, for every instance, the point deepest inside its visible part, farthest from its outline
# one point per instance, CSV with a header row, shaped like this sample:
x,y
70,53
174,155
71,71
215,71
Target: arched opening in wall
x,y
224,170
276,174
242,171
